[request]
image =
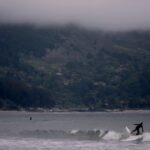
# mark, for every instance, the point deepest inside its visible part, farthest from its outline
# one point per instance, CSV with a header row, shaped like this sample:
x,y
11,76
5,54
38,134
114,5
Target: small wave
x,y
146,137
112,135
44,133
73,134
80,134
88,135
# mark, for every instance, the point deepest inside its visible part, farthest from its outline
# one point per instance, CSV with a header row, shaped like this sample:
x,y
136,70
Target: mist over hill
x,y
112,15
70,67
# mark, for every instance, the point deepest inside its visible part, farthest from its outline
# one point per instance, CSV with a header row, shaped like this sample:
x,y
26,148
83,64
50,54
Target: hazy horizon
x,y
96,14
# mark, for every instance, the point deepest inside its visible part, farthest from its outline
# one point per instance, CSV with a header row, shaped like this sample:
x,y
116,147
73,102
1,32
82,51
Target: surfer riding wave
x,y
137,129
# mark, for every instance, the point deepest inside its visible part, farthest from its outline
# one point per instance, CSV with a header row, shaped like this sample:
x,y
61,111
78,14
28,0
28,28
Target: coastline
x,y
42,110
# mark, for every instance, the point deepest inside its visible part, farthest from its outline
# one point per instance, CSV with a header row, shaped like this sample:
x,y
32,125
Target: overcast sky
x,y
102,14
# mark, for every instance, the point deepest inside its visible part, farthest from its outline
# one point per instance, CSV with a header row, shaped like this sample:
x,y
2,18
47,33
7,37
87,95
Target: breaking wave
x,y
74,134
146,137
95,134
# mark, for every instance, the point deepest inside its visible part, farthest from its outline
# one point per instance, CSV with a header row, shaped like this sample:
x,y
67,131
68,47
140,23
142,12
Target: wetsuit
x,y
137,128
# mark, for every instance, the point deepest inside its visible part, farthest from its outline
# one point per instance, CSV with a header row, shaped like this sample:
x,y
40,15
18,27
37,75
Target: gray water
x,y
71,131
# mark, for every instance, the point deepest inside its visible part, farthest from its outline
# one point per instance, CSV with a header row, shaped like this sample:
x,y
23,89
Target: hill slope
x,y
73,67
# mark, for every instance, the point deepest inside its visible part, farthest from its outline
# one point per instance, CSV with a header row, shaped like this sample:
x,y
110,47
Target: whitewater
x,y
71,130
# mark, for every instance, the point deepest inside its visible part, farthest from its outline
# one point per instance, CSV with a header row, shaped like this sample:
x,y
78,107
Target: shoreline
x,y
41,110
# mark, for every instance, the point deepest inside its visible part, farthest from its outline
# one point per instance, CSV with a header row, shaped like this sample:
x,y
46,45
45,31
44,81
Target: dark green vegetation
x,y
73,67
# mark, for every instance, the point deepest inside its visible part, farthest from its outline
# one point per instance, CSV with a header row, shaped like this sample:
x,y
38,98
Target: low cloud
x,y
102,14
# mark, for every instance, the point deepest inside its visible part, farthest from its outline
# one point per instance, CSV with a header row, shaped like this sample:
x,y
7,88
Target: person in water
x,y
137,129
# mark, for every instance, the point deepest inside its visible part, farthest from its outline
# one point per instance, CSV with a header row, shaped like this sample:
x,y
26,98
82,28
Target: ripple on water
x,y
48,144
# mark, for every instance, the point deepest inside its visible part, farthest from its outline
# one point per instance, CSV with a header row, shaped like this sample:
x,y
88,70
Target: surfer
x,y
137,129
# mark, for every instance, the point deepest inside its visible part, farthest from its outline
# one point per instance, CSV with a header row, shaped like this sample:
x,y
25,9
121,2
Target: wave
x,y
44,133
95,134
146,137
73,134
112,135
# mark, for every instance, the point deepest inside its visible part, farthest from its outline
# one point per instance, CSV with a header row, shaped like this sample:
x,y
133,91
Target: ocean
x,y
71,130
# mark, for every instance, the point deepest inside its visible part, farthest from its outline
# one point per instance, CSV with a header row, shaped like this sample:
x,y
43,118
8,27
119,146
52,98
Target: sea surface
x,y
71,130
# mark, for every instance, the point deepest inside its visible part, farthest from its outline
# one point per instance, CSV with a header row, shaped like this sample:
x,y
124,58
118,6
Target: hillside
x,y
70,67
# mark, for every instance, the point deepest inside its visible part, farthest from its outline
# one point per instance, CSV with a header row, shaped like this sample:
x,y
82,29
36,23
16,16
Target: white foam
x,y
112,135
74,131
48,144
29,144
146,137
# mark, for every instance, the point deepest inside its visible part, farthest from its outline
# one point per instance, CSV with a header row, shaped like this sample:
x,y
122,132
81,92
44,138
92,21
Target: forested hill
x,y
72,67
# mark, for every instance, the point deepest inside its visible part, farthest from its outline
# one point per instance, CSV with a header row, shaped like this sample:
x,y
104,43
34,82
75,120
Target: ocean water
x,y
72,131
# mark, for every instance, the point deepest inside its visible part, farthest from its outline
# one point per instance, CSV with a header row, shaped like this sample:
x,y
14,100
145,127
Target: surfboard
x,y
128,130
132,137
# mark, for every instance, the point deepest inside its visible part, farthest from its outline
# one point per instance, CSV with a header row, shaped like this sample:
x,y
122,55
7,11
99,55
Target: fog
x,y
101,14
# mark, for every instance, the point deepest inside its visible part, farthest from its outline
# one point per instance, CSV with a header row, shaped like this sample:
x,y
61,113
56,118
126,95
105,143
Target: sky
x,y
101,14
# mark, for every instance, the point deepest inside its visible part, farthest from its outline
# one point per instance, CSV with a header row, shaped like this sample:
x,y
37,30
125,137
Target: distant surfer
x,y
137,129
30,118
